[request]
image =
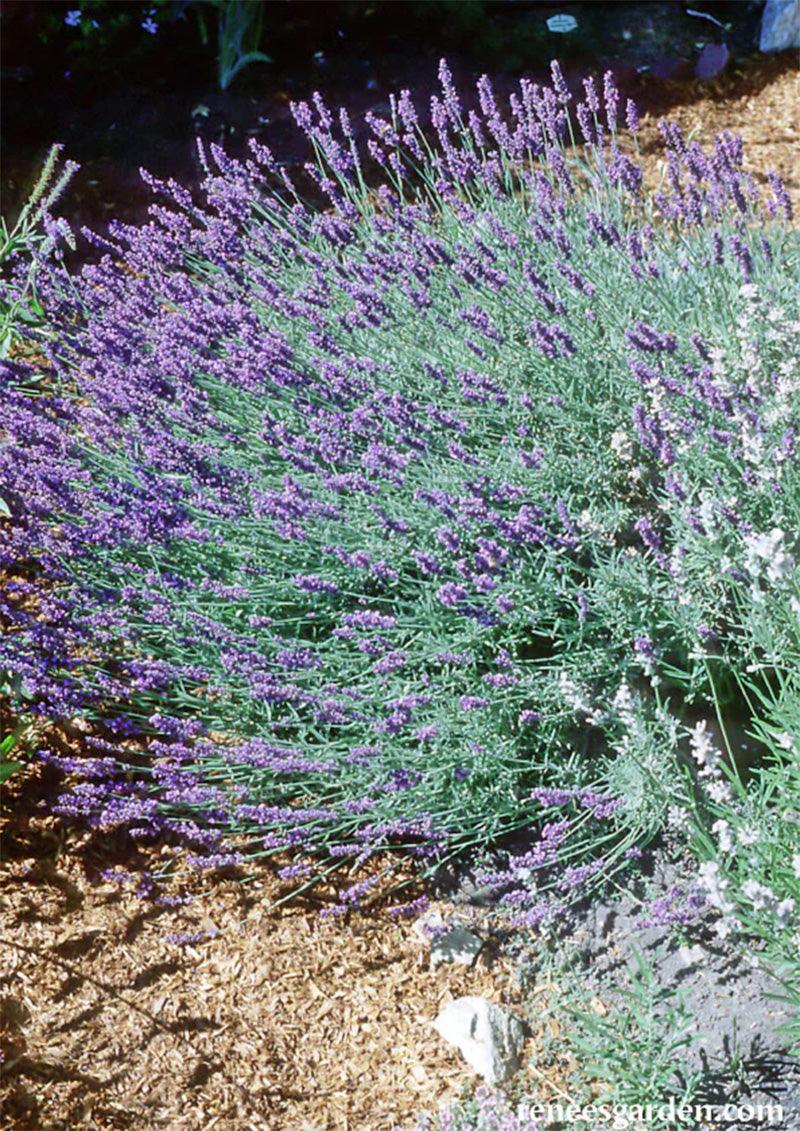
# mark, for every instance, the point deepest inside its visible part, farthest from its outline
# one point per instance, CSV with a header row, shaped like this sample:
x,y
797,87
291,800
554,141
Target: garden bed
x,y
222,1011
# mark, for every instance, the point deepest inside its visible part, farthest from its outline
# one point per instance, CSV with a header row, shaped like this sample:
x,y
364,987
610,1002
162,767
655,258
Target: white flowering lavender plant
x,y
749,845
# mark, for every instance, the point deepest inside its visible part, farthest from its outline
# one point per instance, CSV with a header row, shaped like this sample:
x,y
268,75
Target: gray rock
x,y
691,956
455,945
735,1005
711,61
428,926
465,888
780,25
487,1037
604,919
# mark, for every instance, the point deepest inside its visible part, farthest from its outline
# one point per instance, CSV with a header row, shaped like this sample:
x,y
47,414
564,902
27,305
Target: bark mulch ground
x,y
761,102
270,1019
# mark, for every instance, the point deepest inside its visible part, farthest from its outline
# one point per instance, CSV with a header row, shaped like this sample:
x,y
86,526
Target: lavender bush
x,y
408,518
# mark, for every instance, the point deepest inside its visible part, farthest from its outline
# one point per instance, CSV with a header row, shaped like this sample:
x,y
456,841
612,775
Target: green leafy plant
x,y
102,29
7,765
239,25
25,245
636,1050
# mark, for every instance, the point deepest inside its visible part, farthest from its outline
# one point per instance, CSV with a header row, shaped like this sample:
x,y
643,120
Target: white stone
x,y
780,25
456,945
691,955
487,1037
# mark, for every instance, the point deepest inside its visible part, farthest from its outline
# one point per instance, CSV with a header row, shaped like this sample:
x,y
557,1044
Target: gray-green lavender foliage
x,y
468,500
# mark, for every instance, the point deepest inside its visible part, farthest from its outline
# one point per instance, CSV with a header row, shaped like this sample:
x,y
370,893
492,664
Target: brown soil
x,y
277,1020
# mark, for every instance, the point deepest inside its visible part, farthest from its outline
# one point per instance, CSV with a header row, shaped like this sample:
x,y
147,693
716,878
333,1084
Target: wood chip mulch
x,y
761,103
276,1020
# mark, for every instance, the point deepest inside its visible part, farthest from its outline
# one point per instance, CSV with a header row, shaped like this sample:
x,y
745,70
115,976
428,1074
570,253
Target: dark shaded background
x,y
128,99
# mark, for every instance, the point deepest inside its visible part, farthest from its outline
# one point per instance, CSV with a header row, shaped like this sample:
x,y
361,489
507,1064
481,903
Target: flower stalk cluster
x,y
341,524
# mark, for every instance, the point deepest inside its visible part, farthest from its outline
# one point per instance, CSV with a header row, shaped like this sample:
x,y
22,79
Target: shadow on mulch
x,y
151,116
119,1013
